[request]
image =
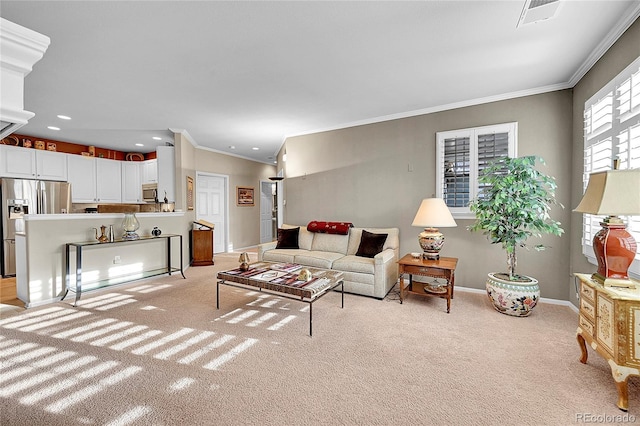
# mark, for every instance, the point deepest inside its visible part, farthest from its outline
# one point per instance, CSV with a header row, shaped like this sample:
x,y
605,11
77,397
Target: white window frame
x,y
612,132
473,134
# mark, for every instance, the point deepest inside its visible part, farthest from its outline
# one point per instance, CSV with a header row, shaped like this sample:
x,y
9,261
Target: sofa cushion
x,y
364,265
282,255
370,244
355,235
317,259
288,238
330,243
305,238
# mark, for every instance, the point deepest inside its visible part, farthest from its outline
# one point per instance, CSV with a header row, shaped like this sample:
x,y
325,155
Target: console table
x,y
79,247
610,323
445,268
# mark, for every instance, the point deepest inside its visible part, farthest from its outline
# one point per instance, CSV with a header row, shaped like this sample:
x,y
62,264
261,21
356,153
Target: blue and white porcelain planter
x,y
516,298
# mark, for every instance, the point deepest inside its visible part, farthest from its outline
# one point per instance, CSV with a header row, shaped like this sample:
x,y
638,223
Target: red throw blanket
x,y
341,228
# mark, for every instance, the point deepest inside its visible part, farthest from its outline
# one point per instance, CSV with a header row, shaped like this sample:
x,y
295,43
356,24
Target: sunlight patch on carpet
x,y
205,350
243,316
168,353
99,301
181,384
91,390
149,308
135,340
101,331
229,355
281,323
166,339
258,321
84,328
130,416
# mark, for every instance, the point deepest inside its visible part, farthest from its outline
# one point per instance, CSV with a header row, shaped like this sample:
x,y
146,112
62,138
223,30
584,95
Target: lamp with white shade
x,y
613,193
432,214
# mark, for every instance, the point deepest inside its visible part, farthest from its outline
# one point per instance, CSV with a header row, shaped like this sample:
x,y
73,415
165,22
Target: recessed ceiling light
x,y
64,117
139,144
156,138
53,127
255,148
232,147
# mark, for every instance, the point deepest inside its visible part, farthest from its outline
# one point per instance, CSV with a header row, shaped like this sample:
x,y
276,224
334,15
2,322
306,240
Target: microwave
x,y
150,192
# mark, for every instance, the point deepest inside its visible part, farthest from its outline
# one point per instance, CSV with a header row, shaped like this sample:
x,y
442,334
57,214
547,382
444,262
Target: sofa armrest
x,y
386,272
384,256
264,247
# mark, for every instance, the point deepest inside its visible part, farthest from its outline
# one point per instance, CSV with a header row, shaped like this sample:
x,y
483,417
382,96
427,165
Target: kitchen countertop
x,y
77,216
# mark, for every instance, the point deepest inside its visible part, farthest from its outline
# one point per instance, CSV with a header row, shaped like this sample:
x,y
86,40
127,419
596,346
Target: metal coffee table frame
x,y
252,284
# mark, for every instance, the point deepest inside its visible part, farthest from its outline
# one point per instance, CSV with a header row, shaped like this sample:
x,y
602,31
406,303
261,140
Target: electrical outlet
x,y
116,259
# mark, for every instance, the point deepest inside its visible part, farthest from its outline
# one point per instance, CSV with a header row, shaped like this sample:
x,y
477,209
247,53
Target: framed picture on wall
x,y
189,193
244,196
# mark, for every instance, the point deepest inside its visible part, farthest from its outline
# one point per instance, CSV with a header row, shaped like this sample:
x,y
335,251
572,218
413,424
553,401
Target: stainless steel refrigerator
x,y
23,196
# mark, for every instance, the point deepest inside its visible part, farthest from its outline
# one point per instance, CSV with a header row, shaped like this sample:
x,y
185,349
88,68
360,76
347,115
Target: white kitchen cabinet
x,y
94,180
150,171
17,162
166,173
51,165
108,180
131,182
27,163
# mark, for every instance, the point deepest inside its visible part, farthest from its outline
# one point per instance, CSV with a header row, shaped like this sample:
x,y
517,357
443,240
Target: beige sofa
x,y
362,275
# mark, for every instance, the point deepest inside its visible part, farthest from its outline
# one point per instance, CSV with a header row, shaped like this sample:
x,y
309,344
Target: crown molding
x,y
629,18
439,108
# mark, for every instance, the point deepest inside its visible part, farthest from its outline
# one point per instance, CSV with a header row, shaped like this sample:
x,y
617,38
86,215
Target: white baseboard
x,y
542,299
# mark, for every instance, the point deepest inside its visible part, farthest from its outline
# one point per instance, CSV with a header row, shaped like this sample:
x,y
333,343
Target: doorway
x,y
212,195
266,211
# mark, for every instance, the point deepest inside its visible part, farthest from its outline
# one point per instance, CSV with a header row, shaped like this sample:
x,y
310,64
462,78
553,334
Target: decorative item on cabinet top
x,y
134,156
11,140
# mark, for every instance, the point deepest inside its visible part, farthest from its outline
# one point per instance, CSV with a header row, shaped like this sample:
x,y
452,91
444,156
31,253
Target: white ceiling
x,y
248,74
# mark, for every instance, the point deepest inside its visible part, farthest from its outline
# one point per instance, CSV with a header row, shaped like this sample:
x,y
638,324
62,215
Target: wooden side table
x,y
444,267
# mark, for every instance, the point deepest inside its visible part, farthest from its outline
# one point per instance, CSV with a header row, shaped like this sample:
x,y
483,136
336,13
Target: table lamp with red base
x,y
613,193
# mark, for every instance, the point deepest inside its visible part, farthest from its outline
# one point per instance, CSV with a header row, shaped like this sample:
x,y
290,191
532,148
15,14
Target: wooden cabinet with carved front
x,y
610,323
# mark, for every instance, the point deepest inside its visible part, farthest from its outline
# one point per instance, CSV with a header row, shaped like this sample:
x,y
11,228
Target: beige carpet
x,y
157,352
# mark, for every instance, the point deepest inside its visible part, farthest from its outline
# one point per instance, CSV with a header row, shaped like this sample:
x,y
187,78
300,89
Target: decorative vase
x,y
156,231
130,225
516,298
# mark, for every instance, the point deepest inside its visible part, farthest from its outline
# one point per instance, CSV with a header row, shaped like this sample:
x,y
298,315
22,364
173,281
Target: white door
x,y
211,205
266,212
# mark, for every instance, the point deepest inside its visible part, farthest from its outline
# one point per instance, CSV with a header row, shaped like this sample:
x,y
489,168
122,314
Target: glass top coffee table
x,y
282,279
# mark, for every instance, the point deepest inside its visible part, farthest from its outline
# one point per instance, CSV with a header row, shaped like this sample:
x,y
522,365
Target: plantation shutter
x,y
612,134
462,155
457,167
491,147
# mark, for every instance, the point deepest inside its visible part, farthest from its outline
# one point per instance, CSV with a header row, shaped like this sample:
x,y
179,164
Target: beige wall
x,y
362,174
621,54
244,221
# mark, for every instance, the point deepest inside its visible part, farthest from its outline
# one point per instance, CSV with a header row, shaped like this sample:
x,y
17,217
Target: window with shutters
x,y
612,136
461,155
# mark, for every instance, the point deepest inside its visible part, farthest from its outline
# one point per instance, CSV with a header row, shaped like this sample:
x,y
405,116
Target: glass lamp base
x,y
128,236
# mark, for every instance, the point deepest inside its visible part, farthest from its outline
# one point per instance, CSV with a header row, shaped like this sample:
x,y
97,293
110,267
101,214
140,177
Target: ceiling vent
x,y
538,10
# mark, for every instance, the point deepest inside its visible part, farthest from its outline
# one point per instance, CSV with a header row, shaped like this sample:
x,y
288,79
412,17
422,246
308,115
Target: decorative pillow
x,y
288,238
370,244
341,228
